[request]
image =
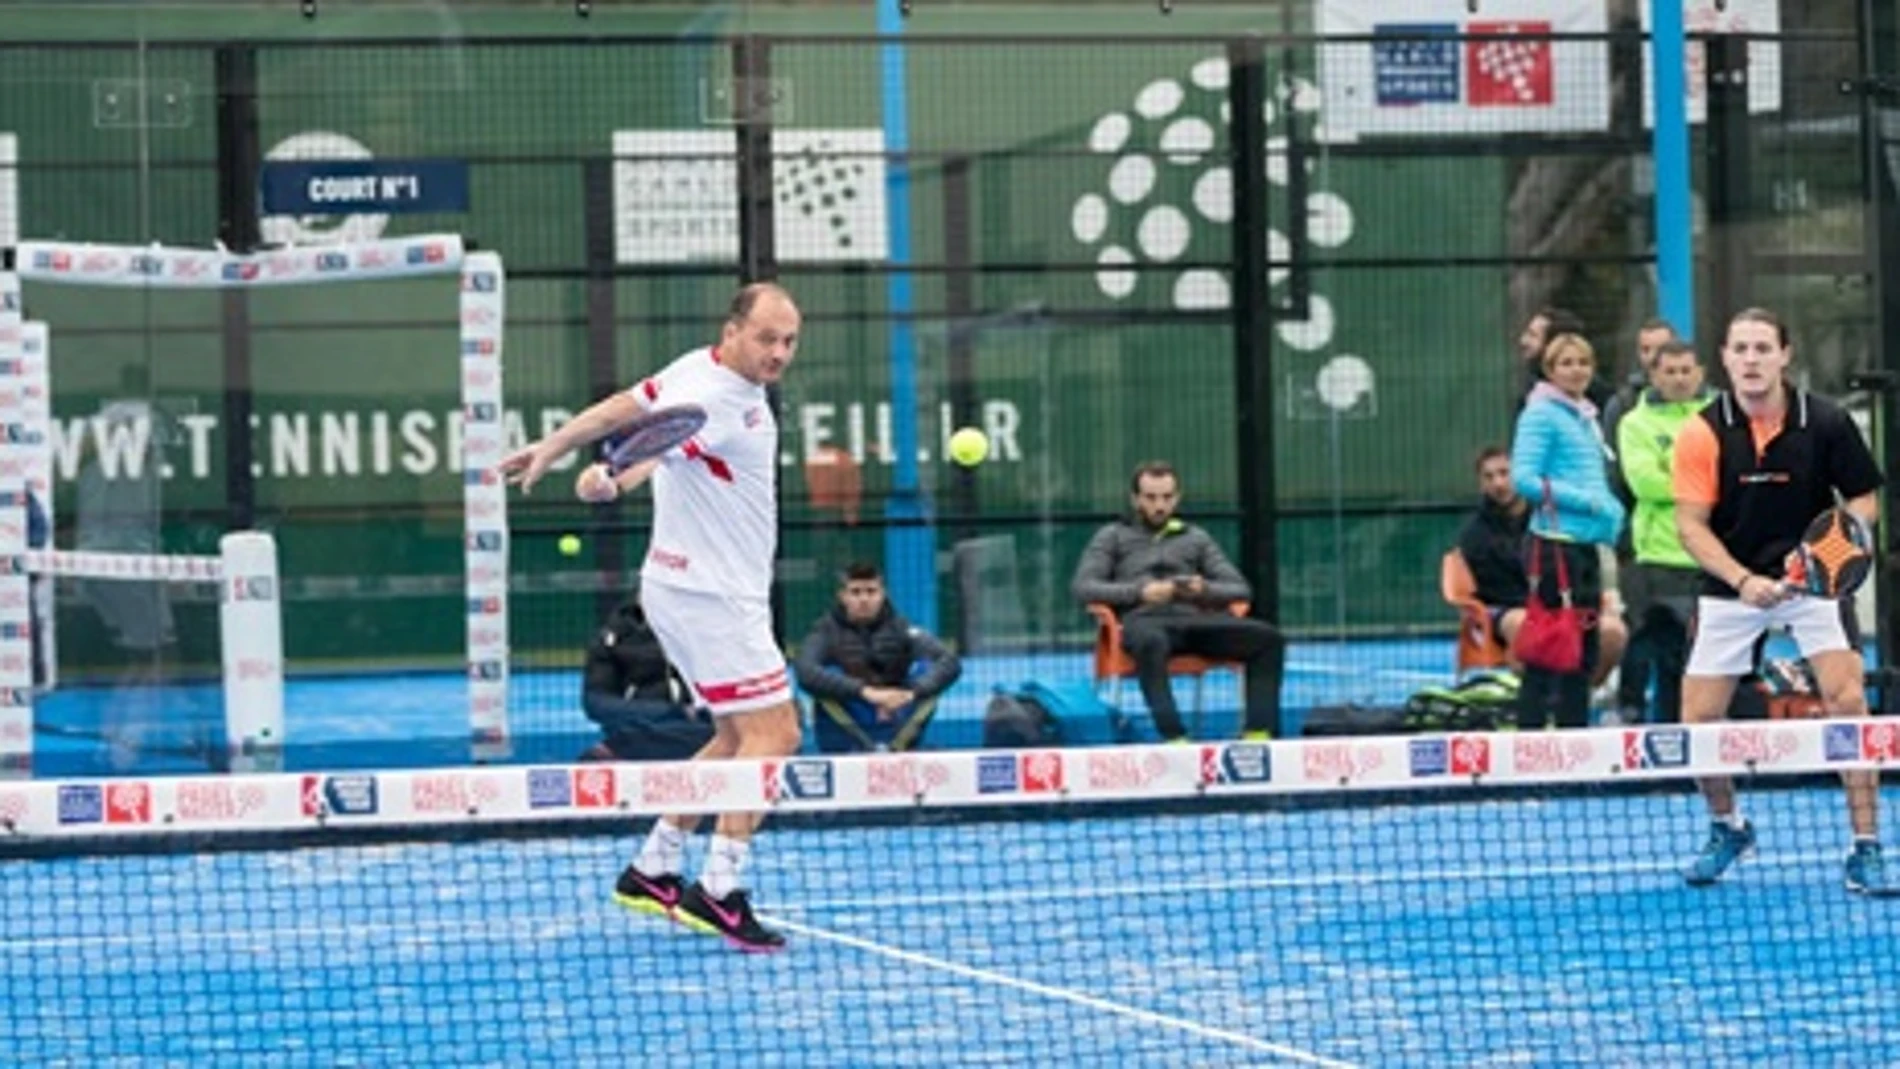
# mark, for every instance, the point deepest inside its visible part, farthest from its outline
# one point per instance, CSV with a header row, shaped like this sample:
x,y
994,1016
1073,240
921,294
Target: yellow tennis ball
x,y
969,447
569,545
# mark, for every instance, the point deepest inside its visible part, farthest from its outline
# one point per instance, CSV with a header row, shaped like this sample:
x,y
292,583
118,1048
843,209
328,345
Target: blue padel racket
x,y
651,434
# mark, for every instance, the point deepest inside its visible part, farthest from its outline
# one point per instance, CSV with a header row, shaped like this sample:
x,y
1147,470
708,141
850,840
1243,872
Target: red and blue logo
x,y
1479,65
1656,748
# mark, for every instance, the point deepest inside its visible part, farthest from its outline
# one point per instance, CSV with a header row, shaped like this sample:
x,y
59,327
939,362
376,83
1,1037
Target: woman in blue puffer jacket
x,y
1559,463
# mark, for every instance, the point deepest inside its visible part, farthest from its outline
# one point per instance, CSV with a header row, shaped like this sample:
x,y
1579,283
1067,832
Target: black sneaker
x,y
658,895
731,917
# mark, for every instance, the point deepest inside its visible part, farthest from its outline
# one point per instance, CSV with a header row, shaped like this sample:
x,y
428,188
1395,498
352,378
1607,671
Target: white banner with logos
x,y
518,794
16,634
177,268
1734,16
1436,68
485,505
676,196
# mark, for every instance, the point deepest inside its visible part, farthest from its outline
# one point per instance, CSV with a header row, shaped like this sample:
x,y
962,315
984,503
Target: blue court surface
x,y
1477,933
419,720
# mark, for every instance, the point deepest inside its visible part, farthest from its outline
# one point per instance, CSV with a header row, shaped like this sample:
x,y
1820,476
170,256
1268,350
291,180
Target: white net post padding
x,y
16,633
483,443
485,506
250,621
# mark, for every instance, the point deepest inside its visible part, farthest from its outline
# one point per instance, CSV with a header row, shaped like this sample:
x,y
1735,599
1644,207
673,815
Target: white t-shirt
x,y
715,499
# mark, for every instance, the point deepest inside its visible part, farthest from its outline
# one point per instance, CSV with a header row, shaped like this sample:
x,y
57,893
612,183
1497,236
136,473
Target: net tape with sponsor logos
x,y
132,567
290,802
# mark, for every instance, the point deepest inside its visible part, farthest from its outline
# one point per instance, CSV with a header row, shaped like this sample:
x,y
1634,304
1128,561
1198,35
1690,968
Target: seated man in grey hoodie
x,y
1171,586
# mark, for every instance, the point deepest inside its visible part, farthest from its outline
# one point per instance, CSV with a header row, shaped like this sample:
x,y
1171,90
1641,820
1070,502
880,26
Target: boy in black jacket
x,y
873,677
643,708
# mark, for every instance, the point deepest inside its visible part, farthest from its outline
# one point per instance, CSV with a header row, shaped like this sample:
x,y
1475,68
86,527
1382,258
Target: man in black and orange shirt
x,y
1751,471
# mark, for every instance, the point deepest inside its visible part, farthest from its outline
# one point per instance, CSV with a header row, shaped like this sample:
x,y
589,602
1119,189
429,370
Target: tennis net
x,y
1447,899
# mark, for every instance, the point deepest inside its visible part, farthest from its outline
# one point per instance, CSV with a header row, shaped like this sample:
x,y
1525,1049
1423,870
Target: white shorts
x,y
1726,631
722,644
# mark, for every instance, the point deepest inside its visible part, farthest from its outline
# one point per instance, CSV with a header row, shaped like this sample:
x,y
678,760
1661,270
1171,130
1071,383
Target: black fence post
x,y
960,309
1253,327
1729,193
240,160
1299,279
758,247
752,94
603,371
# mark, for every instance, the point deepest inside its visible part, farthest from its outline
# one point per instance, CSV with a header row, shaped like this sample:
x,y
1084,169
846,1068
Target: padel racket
x,y
1834,557
651,434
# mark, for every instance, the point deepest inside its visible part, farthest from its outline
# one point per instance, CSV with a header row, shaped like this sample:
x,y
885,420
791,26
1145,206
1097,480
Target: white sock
x,y
665,849
723,865
1734,820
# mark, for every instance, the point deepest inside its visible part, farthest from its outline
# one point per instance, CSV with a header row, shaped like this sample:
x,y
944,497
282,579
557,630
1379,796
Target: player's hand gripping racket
x,y
651,434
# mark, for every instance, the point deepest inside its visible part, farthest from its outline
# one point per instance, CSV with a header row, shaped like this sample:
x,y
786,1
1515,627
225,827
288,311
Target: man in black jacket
x,y
874,678
644,709
1172,587
1492,543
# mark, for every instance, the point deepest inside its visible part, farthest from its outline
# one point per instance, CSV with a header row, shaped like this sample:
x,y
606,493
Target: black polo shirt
x,y
1764,483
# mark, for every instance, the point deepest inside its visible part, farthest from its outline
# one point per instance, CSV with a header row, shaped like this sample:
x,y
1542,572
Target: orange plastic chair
x,y
1478,646
1113,665
834,481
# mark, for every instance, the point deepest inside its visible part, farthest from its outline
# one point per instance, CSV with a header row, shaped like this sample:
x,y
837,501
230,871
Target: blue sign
x,y
357,187
1415,63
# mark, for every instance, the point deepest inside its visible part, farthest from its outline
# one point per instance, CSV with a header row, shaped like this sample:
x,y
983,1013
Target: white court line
x,y
1076,892
1239,1039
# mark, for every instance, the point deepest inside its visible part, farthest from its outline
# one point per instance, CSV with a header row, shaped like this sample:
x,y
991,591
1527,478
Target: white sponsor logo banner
x,y
1435,67
1735,16
676,195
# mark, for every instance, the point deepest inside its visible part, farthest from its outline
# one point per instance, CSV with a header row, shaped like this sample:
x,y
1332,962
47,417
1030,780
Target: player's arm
x,y
1699,538
1855,474
1696,477
594,423
1866,506
526,465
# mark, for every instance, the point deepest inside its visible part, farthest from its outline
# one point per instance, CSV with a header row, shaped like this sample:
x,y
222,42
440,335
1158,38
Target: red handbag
x,y
1549,638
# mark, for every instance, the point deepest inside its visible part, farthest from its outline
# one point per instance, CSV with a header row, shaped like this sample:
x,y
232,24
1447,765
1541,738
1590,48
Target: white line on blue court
x,y
971,972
